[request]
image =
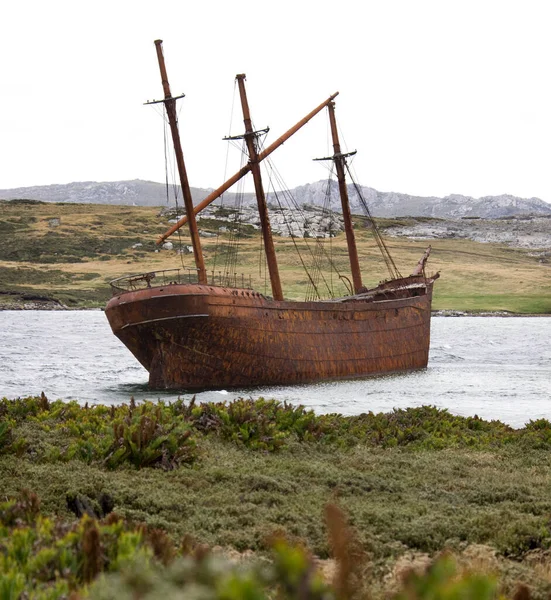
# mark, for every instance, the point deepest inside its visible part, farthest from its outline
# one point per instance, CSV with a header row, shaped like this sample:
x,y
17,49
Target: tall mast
x,y
170,104
340,161
251,141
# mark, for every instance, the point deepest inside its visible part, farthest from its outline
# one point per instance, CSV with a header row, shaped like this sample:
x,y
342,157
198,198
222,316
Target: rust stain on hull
x,y
196,337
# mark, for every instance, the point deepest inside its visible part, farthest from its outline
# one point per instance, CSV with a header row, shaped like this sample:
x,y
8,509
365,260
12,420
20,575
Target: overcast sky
x,y
438,97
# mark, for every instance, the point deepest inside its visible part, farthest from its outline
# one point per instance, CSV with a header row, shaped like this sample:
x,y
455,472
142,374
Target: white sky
x,y
438,97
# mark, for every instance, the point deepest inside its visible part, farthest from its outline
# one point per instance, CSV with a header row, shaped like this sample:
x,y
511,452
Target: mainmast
x,y
170,104
340,161
251,141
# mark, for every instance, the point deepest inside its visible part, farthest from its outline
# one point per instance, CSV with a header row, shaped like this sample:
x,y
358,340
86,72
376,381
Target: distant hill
x,y
132,193
393,204
381,204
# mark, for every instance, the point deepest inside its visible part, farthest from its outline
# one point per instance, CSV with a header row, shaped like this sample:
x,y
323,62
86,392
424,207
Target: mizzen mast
x,y
170,104
340,161
251,141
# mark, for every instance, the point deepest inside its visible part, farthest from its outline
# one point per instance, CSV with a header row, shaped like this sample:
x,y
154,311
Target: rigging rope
x,y
175,187
222,197
389,261
166,164
320,247
315,275
298,210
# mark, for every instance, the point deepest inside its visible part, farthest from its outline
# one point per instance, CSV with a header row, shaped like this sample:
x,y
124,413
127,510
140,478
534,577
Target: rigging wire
x,y
293,204
235,234
222,197
389,261
319,250
312,283
316,277
166,164
175,187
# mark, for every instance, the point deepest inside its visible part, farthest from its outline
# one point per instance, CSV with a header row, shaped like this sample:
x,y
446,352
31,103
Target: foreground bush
x,y
47,559
110,559
413,481
149,435
166,435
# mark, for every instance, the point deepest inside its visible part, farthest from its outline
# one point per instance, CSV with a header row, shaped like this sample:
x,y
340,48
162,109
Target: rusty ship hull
x,y
197,337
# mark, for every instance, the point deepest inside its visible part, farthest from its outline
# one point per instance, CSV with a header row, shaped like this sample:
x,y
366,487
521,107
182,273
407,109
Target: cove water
x,y
495,367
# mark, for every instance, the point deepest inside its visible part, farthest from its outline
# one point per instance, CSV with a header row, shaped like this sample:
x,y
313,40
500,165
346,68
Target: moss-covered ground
x,y
69,252
373,499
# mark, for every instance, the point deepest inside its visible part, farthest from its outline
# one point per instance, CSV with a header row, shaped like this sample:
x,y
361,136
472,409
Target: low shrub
x,y
111,559
166,435
144,436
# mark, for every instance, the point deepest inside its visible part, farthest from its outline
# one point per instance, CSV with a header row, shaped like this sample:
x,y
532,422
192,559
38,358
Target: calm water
x,y
497,368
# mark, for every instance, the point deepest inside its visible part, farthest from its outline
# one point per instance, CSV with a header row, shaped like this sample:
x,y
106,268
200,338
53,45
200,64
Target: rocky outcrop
x,y
309,221
519,232
530,232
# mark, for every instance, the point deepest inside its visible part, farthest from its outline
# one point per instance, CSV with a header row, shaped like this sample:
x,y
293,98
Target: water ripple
x,y
498,368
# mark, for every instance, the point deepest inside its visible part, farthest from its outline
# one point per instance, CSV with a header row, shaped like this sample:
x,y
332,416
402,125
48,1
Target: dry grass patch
x,y
99,239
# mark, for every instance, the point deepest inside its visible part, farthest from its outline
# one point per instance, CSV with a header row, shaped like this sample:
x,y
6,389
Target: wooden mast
x,y
242,172
251,141
170,104
340,160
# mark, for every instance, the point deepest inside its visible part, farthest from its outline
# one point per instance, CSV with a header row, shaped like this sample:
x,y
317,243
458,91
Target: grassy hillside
x,y
73,258
160,478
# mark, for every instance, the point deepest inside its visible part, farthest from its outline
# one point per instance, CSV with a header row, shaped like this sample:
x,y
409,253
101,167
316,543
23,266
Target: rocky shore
x,y
309,221
15,301
532,232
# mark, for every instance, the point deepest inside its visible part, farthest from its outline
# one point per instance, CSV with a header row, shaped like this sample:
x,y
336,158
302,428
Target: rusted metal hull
x,y
195,337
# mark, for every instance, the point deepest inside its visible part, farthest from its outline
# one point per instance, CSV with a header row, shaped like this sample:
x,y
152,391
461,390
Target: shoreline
x,y
22,302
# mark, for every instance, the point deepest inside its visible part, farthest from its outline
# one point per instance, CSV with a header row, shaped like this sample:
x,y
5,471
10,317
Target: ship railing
x,y
130,283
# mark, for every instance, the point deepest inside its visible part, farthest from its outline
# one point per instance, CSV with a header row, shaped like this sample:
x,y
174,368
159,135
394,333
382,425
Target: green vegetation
x,y
111,559
73,258
240,500
41,277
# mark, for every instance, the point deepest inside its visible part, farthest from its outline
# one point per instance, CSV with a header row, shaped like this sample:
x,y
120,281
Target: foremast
x,y
170,105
